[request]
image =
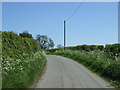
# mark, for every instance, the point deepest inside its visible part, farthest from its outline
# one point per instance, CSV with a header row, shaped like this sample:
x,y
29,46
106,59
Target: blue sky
x,y
94,23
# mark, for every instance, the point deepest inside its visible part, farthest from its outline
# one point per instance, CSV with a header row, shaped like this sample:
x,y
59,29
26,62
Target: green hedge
x,y
81,47
16,45
111,48
22,60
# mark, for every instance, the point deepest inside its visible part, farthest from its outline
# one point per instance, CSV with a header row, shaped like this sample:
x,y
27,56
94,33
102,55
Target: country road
x,y
62,72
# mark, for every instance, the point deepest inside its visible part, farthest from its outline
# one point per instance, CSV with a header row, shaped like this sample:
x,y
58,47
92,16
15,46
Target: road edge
x,y
33,85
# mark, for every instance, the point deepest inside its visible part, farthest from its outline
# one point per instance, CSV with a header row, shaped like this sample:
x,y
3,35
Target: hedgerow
x,y
111,48
22,60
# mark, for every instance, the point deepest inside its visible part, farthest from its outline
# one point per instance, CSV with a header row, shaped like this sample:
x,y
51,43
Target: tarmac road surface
x,y
62,72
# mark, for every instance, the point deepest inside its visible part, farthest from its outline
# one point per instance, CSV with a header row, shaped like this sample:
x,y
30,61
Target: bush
x,y
22,60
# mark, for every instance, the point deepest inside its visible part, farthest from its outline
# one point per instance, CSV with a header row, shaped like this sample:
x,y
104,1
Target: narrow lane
x,y
62,72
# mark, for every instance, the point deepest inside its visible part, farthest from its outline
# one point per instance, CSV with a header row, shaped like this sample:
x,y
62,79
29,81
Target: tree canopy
x,y
45,42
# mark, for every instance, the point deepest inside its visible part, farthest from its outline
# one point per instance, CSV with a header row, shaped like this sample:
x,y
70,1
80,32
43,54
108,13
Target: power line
x,y
65,22
56,28
60,24
75,11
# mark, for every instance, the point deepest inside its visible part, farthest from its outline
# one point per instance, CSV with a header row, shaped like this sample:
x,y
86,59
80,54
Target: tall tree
x,y
45,42
51,43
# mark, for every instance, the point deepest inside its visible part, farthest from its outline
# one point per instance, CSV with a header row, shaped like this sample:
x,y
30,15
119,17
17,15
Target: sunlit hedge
x,y
22,60
111,48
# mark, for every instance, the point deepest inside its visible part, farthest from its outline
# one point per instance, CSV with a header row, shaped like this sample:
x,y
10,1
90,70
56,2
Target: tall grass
x,y
99,61
21,72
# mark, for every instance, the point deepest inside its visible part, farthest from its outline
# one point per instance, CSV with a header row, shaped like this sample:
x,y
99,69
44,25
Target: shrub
x,y
22,60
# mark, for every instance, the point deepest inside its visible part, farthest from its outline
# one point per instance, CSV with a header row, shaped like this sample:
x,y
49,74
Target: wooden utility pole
x,y
119,22
64,34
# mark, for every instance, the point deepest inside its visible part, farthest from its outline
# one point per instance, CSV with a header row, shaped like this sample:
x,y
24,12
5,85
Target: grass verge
x,y
22,72
37,78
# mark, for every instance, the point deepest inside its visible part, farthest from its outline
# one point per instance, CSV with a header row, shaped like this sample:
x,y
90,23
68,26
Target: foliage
x,y
112,49
59,46
80,47
25,34
21,72
50,43
22,60
0,59
45,42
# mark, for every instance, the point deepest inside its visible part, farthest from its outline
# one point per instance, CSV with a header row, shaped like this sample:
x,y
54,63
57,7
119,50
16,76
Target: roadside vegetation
x,y
22,60
0,60
105,61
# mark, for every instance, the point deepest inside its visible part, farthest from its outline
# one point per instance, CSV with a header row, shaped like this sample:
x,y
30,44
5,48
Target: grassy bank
x,y
98,61
22,60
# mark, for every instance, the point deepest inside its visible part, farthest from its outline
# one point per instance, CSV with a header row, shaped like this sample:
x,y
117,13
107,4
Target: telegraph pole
x,y
119,22
64,34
